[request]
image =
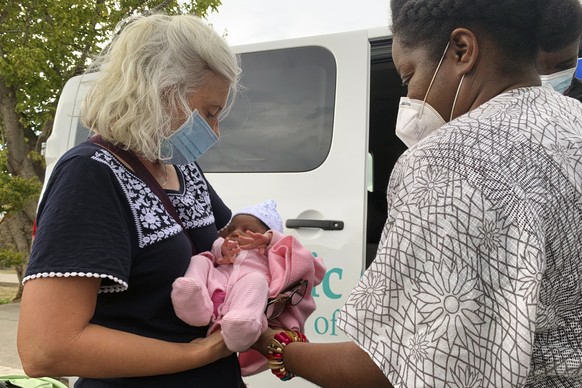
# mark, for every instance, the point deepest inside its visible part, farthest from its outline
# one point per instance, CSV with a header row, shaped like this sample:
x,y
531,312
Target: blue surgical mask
x,y
560,81
189,142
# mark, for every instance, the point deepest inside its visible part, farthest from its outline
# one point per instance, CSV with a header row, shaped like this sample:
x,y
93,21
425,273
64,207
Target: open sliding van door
x,y
298,133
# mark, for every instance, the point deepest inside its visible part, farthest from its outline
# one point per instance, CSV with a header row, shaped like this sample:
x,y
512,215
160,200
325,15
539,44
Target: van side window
x,y
282,120
82,133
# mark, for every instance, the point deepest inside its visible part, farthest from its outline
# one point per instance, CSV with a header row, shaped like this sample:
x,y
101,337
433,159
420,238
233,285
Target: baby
x,y
253,273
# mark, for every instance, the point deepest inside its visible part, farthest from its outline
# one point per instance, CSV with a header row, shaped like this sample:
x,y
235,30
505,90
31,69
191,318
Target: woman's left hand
x,y
266,337
214,343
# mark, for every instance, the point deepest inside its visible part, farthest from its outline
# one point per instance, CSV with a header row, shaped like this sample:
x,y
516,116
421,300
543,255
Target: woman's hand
x,y
338,364
214,344
266,337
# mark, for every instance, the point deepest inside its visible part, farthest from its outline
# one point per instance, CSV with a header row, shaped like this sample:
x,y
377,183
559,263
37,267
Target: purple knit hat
x,y
266,212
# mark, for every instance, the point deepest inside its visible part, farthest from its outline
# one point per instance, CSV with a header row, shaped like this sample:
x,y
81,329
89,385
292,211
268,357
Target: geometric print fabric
x,y
477,280
153,222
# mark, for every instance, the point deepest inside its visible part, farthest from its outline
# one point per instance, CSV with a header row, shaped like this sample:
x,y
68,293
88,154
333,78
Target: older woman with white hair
x,y
123,213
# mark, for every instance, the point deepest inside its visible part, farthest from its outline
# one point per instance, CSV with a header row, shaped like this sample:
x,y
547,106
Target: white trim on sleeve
x,y
118,287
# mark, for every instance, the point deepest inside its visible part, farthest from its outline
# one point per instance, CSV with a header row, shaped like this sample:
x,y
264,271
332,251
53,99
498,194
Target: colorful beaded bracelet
x,y
275,351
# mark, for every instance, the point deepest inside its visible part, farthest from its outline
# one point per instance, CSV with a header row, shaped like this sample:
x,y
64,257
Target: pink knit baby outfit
x,y
246,285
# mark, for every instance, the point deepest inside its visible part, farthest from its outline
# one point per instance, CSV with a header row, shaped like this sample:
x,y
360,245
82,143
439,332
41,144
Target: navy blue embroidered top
x,y
98,219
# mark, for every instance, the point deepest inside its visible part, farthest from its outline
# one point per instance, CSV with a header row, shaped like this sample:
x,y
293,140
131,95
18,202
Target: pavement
x,y
9,360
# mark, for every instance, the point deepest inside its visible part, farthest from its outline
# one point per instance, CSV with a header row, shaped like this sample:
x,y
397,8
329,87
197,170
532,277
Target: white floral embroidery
x,y
152,221
194,205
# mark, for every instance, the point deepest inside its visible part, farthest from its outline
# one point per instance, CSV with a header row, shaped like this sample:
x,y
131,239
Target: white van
x,y
314,130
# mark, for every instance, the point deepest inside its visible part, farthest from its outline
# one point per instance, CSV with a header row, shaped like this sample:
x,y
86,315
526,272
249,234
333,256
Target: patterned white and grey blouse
x,y
477,281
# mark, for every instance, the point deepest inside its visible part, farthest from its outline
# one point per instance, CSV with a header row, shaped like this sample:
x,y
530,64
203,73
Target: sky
x,y
252,21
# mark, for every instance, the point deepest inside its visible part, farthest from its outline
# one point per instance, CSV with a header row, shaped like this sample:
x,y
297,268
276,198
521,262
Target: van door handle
x,y
321,224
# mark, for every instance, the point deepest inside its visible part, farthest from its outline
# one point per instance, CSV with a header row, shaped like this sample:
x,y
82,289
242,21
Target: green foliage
x,y
202,7
43,43
15,191
10,258
37,157
3,161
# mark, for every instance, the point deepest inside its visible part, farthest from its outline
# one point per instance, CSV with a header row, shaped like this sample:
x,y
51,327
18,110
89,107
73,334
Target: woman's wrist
x,y
204,351
276,351
219,347
264,339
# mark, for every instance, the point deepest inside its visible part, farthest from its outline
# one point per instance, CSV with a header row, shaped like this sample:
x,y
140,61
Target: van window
x,y
82,133
282,120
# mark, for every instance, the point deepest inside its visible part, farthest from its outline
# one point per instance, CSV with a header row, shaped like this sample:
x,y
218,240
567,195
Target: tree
x,y
43,43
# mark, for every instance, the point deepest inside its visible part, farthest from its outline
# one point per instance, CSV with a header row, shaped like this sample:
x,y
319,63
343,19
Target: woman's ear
x,y
466,48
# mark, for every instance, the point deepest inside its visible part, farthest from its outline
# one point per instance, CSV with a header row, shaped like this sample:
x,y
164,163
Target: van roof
x,y
374,33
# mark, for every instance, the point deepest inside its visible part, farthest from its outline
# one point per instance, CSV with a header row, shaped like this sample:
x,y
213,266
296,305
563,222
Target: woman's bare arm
x,y
340,364
55,337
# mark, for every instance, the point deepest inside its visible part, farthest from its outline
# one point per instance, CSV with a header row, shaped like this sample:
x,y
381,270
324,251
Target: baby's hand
x,y
252,240
230,249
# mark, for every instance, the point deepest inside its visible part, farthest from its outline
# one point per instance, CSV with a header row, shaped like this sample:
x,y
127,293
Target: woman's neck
x,y
158,170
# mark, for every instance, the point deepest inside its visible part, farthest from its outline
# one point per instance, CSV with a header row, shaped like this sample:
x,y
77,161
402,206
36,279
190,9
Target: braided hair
x,y
510,24
561,24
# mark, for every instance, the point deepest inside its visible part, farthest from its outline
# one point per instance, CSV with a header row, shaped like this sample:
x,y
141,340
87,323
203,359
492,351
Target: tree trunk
x,y
18,162
17,226
16,233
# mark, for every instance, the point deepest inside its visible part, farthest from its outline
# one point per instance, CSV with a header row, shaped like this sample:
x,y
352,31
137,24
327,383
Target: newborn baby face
x,y
240,224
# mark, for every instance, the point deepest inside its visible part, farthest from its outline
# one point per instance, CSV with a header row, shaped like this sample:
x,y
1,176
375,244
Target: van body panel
x,y
335,190
66,133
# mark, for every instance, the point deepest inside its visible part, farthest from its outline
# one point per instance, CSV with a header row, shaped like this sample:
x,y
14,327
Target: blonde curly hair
x,y
146,75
